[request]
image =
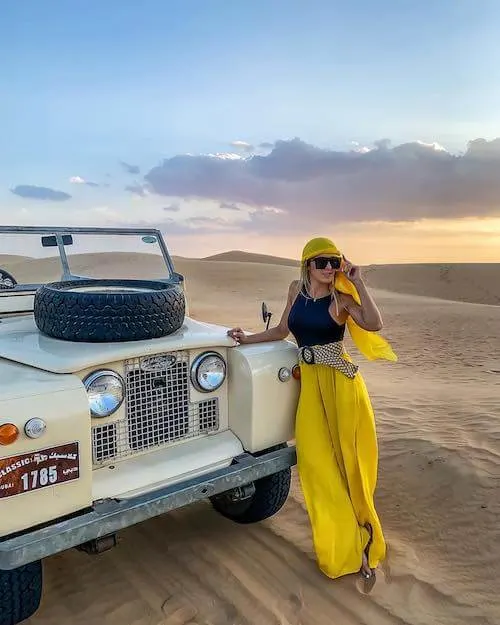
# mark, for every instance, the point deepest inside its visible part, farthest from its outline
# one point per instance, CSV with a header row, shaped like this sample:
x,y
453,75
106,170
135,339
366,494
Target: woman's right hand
x,y
237,334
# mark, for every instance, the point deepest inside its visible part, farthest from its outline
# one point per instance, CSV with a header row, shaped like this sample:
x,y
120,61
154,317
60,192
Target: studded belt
x,y
330,354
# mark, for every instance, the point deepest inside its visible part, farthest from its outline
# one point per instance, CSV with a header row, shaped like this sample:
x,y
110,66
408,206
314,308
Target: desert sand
x,y
438,419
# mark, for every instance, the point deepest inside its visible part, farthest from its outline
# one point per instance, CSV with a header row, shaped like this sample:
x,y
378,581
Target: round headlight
x,y
106,392
208,372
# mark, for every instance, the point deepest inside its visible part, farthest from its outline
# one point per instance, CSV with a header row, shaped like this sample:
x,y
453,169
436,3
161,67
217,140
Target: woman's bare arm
x,y
277,333
366,314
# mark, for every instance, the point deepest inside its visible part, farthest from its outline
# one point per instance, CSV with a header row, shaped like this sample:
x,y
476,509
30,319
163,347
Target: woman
x,y
337,452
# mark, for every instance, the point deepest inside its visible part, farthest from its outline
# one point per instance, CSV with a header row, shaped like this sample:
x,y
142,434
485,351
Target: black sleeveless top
x,y
311,323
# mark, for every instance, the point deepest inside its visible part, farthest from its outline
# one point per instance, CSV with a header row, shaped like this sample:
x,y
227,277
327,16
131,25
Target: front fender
x,y
40,479
261,407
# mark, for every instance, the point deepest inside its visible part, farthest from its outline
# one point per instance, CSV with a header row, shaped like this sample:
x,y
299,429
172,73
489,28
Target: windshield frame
x,y
59,231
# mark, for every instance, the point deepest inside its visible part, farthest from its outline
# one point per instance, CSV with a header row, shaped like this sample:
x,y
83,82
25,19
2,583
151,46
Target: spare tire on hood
x,y
109,310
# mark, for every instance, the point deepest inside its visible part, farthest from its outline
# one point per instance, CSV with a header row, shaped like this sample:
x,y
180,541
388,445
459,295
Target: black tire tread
x,y
20,593
271,493
5,275
109,317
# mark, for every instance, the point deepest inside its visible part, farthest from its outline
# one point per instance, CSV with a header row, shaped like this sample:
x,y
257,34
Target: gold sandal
x,y
362,572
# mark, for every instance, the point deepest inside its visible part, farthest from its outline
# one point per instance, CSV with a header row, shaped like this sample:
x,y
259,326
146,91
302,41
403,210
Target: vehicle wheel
x,y
270,495
20,593
7,280
109,310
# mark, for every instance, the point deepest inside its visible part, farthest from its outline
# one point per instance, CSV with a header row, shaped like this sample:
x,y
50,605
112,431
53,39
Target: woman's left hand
x,y
352,272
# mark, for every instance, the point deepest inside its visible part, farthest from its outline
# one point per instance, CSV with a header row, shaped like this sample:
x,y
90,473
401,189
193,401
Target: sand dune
x,y
474,283
249,257
11,259
466,282
438,416
479,283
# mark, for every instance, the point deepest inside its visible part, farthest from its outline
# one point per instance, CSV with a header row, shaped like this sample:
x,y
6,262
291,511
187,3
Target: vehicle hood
x,y
22,342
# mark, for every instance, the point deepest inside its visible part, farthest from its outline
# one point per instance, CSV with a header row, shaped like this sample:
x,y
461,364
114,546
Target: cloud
x,y
35,192
198,225
172,208
242,145
137,189
130,169
362,149
225,156
231,206
80,180
313,185
204,222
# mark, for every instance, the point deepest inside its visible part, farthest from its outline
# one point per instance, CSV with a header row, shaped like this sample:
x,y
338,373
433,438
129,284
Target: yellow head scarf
x,y
370,344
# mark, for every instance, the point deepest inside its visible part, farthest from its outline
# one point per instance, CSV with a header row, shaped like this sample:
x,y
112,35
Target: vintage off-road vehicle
x,y
116,406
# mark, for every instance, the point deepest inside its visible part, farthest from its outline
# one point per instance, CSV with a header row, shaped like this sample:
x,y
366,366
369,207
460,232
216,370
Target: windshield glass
x,y
34,258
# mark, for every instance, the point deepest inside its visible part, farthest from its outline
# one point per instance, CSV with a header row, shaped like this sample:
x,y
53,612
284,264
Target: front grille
x,y
158,411
157,404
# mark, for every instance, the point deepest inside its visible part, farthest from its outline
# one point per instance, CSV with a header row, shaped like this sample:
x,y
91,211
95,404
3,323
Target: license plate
x,y
39,469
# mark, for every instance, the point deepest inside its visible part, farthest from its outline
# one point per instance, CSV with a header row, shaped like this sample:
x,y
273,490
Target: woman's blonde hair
x,y
315,247
304,286
304,280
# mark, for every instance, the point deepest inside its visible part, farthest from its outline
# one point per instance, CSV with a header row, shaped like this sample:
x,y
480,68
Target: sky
x,y
257,125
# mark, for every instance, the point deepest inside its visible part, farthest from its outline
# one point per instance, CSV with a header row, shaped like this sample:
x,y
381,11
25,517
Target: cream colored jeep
x,y
116,406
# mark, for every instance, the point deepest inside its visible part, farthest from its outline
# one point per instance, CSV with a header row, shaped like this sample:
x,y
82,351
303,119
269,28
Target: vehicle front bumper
x,y
109,516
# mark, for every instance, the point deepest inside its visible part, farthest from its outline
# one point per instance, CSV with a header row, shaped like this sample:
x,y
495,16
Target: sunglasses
x,y
321,262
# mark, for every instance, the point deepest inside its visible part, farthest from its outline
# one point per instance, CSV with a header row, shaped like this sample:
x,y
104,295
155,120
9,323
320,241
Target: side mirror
x,y
266,315
51,241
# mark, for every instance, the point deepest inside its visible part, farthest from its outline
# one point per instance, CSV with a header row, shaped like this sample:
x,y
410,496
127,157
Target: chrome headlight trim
x,y
90,379
195,368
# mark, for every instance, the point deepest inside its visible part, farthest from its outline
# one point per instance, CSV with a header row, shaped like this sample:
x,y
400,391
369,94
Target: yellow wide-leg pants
x,y
337,462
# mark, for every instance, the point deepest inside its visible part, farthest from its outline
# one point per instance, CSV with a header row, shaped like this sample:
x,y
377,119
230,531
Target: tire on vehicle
x,y
7,280
20,593
271,493
109,310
